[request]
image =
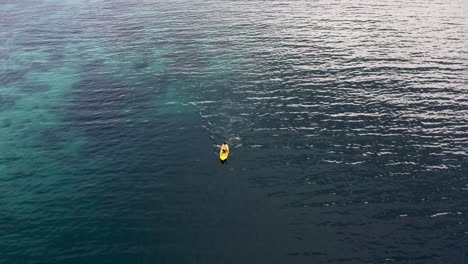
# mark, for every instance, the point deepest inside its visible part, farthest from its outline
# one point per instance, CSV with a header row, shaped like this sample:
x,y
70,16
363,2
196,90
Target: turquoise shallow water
x,y
347,123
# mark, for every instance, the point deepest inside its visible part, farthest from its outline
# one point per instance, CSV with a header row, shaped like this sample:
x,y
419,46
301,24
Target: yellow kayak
x,y
224,155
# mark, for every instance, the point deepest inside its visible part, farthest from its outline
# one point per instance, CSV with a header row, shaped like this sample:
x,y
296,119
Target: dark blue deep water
x,y
347,121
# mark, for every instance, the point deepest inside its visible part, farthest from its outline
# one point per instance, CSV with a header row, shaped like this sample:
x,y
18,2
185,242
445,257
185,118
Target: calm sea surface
x,y
347,121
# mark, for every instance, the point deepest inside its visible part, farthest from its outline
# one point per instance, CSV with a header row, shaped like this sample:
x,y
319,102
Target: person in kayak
x,y
224,147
